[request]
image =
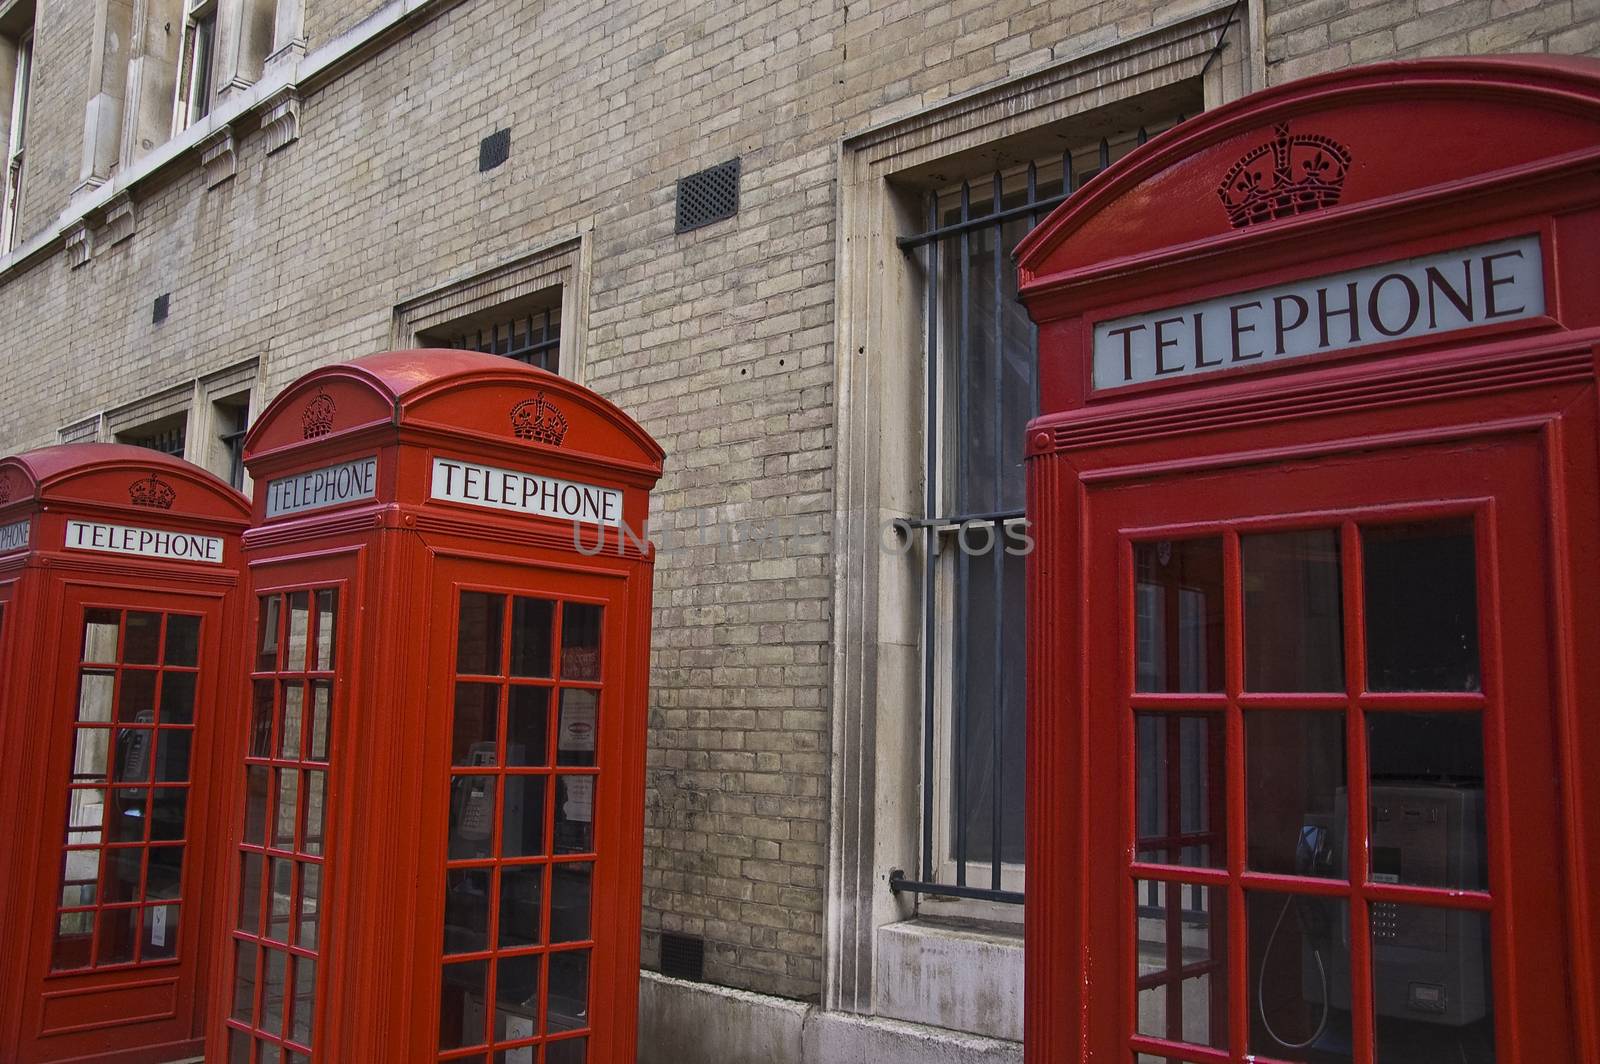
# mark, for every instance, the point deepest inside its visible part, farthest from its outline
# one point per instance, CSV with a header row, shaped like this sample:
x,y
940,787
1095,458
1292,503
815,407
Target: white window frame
x,y
11,203
197,65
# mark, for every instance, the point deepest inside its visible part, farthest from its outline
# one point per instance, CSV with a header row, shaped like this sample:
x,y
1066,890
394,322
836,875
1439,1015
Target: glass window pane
x,y
1426,793
516,997
1178,615
128,815
466,910
91,751
1299,976
479,641
305,991
293,716
273,991
268,623
86,811
574,829
163,872
177,697
172,755
258,780
136,698
569,901
95,690
463,1001
1180,789
244,983
134,762
580,641
567,1051
1432,992
327,628
167,810
528,726
80,877
1295,792
475,725
1293,617
567,1002
472,801
530,636
238,1047
124,868
321,706
261,718
310,904
141,638
294,658
280,898
100,631
1183,954
1421,606
250,894
183,640
119,936
311,837
287,808
522,833
74,941
521,888
160,932
575,740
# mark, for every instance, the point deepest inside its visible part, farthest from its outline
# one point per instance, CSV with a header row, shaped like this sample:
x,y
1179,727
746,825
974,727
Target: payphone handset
x,y
133,748
473,811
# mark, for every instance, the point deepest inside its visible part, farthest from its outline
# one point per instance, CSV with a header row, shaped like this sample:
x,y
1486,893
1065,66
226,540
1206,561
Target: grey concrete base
x,y
692,1023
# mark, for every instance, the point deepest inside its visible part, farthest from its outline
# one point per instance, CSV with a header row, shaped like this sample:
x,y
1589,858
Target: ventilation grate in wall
x,y
158,313
709,196
494,149
683,956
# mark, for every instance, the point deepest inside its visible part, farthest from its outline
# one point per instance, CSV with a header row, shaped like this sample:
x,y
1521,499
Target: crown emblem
x,y
540,420
153,492
1291,174
317,417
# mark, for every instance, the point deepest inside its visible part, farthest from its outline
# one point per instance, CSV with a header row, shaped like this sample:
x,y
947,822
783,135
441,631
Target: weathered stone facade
x,y
721,341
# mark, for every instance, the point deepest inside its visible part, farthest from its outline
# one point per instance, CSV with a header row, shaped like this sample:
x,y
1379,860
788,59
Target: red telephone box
x,y
119,571
443,793
1312,674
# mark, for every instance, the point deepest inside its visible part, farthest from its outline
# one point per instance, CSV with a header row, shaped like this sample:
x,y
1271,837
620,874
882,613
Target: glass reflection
x,y
1295,792
580,641
1421,606
1293,619
1178,615
1431,987
1180,788
1427,796
1182,976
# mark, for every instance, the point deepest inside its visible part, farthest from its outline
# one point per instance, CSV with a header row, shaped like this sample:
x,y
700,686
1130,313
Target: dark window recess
x,y
235,421
494,149
167,441
159,313
683,956
533,337
709,196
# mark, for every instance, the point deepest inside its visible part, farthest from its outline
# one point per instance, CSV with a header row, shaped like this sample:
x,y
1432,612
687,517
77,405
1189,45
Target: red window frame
x,y
283,888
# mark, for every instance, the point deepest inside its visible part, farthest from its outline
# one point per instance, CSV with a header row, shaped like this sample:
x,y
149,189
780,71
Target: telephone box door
x,y
539,749
1328,678
114,943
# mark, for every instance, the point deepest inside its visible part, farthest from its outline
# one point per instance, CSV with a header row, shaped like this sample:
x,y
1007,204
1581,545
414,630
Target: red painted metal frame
x,y
1500,423
153,1010
399,559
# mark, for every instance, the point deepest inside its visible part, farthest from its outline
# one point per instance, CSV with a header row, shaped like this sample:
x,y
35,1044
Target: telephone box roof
x,y
69,472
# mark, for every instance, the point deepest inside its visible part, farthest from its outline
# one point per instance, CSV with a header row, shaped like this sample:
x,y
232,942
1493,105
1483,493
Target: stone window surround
x,y
195,400
271,104
562,263
875,795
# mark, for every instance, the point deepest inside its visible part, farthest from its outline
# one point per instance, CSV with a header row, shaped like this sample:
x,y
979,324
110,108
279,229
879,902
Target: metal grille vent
x,y
158,313
683,956
494,149
709,196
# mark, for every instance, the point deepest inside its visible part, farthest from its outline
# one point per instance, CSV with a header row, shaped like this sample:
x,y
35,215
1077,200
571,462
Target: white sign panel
x,y
528,493
346,482
14,536
146,542
1480,285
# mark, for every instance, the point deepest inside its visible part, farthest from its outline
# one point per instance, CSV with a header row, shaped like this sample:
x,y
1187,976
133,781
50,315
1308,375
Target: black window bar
x,y
233,443
955,236
534,338
167,441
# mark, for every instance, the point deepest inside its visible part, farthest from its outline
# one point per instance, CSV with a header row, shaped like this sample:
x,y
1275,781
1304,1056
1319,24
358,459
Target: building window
x,y
167,435
11,206
195,64
233,422
981,389
530,334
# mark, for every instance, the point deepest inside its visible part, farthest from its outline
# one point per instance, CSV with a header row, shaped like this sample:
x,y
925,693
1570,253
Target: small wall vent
x,y
158,313
494,150
709,196
683,956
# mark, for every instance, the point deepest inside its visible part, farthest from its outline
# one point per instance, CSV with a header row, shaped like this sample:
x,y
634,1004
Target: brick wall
x,y
718,341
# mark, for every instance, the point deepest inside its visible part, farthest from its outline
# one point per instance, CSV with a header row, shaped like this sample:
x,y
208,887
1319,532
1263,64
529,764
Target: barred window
x,y
531,334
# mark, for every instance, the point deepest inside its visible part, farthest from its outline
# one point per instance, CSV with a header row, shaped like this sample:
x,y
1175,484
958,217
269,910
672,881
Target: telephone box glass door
x,y
530,697
1335,710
